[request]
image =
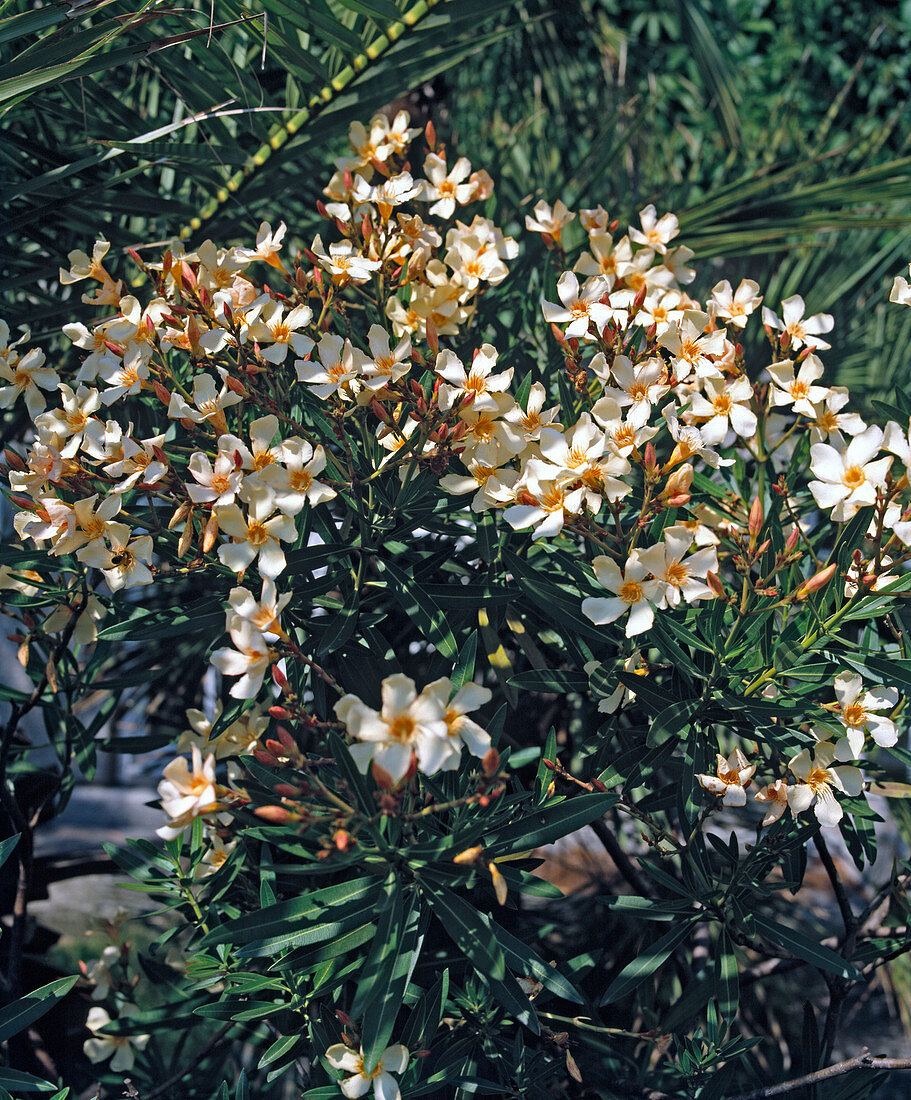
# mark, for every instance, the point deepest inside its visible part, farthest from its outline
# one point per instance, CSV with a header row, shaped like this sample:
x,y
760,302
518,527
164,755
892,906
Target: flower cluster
x,y
263,405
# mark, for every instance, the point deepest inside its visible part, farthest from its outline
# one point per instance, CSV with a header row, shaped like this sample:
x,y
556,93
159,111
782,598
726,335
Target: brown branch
x,y
861,1061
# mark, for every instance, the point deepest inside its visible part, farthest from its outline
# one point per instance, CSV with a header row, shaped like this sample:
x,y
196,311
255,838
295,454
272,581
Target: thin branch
x,y
861,1061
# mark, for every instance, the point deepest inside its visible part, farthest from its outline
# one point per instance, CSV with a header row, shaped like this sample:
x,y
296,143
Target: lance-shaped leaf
x,y
549,822
474,939
823,958
644,965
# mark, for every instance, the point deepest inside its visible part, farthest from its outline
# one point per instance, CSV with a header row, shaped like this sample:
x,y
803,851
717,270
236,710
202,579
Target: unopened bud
x,y
432,336
342,840
499,883
278,815
14,461
791,541
639,299
161,393
286,790
490,761
714,582
280,713
470,855
431,136
209,534
264,757
180,514
235,385
279,677
757,516
186,537
678,500
381,777
818,581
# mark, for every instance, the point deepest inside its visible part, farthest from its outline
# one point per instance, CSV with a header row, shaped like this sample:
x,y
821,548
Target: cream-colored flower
x,y
188,792
816,780
550,221
858,713
800,329
776,794
394,1059
733,776
848,480
656,232
101,1046
407,723
634,592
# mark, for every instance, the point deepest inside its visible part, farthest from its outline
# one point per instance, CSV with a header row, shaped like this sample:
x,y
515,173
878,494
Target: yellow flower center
x,y
401,728
854,715
854,477
631,592
257,534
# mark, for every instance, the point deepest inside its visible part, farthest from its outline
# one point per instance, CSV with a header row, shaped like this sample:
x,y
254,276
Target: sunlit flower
x,y
656,232
733,776
735,306
634,592
547,220
188,791
858,713
776,794
816,780
800,329
407,723
848,480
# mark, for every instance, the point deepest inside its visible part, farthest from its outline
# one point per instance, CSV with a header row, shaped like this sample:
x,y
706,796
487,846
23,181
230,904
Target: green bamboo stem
x,y
284,130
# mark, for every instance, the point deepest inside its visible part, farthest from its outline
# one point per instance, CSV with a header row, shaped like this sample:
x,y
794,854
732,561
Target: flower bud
x,y
280,713
756,518
381,777
278,815
499,883
714,582
432,336
209,534
819,580
161,393
791,541
490,762
470,855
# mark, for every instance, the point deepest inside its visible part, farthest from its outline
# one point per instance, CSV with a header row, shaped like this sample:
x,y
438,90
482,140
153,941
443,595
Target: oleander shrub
x,y
421,557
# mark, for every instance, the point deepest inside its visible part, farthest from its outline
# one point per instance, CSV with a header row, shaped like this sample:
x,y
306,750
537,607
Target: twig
x,y
861,1061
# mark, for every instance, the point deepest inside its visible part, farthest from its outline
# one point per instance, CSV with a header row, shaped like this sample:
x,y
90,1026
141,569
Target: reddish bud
x,y
757,516
264,757
161,393
714,582
278,815
381,777
431,135
235,385
278,676
490,761
819,580
792,541
286,739
286,789
342,840
432,336
14,461
280,713
649,458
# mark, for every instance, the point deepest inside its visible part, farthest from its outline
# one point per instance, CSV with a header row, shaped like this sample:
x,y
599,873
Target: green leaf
x,y
18,1015
285,924
278,1050
556,818
557,680
727,984
421,608
463,673
644,965
472,936
341,624
26,1082
520,958
805,948
7,846
386,973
